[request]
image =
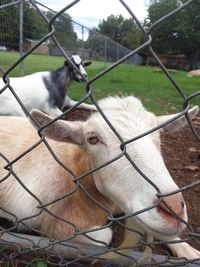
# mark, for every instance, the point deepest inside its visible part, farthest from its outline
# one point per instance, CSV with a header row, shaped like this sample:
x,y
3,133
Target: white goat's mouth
x,y
164,225
168,216
169,227
78,78
165,231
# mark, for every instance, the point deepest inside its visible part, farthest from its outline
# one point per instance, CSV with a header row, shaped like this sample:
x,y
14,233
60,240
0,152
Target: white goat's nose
x,y
176,204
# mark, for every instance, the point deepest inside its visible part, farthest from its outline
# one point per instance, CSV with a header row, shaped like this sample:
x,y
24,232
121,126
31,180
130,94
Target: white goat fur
x,y
118,186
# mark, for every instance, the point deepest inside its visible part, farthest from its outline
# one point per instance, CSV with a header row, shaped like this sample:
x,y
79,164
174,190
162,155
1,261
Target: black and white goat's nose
x,y
82,77
85,76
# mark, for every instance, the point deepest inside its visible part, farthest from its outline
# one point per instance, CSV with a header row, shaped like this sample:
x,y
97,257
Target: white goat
x,y
119,187
44,90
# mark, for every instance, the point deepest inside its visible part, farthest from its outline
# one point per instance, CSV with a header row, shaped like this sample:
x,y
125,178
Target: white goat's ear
x,y
179,123
63,131
86,63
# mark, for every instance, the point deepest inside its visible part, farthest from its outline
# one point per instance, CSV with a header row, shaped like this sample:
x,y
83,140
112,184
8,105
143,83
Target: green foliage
x,y
34,26
64,30
121,30
9,32
178,34
96,43
41,263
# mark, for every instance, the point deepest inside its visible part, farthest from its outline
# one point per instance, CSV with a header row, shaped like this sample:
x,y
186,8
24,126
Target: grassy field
x,y
147,83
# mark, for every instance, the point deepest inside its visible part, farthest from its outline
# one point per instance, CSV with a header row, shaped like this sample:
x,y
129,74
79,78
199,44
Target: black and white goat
x,y
44,90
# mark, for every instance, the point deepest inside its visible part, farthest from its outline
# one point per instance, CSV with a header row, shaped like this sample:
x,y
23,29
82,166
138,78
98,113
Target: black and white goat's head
x,y
80,64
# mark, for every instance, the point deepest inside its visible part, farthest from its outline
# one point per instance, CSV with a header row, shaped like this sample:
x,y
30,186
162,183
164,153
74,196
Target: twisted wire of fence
x,y
97,46
27,249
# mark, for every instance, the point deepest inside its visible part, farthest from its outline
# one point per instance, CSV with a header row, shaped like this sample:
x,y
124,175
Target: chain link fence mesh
x,y
33,249
80,39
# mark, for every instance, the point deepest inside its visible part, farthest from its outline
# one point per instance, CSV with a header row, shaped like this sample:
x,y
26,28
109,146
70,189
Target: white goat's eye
x,y
93,140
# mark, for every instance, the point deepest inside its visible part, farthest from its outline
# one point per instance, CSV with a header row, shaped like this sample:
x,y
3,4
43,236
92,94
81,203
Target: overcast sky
x,y
91,12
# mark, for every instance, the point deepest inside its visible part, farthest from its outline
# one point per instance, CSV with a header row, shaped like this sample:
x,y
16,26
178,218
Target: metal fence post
x,y
82,33
106,51
21,35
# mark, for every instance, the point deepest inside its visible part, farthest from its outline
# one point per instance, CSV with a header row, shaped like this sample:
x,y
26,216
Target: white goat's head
x,y
77,61
119,180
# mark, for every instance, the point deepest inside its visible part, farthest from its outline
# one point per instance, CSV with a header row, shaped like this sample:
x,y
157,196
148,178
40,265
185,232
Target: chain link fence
x,y
22,27
35,249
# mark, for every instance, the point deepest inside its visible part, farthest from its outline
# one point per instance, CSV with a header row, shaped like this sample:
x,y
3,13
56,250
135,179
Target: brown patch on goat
x,y
78,208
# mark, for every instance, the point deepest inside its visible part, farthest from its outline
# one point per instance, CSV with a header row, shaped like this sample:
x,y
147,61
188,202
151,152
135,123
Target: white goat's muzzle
x,y
168,219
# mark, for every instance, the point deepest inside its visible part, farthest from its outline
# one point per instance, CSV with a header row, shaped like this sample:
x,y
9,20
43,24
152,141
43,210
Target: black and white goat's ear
x,y
178,123
63,131
86,63
68,65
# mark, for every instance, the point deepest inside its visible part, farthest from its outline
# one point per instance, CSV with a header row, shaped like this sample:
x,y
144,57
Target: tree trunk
x,y
193,58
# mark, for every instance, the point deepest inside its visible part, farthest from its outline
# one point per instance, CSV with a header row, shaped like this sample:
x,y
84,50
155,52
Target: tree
x,y
97,44
34,26
64,30
178,34
121,30
9,18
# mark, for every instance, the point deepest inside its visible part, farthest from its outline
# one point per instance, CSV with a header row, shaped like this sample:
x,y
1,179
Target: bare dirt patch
x,y
181,151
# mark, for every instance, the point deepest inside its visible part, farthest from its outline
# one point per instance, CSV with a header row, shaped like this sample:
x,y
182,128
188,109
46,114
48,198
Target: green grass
x,y
147,83
32,63
41,263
